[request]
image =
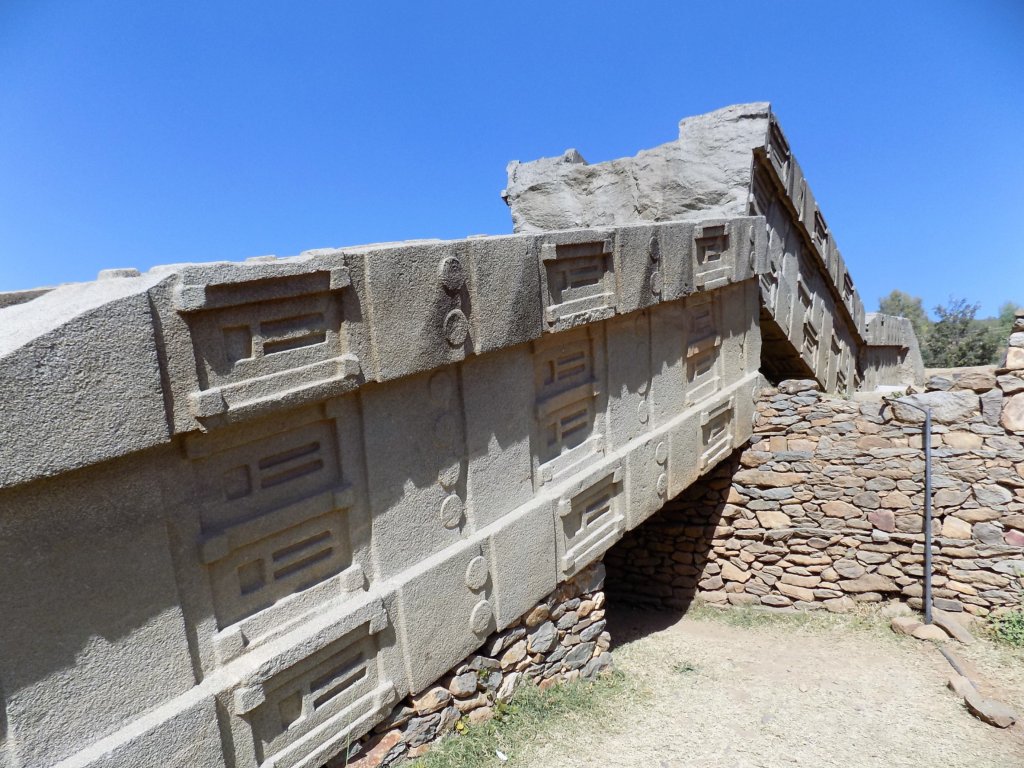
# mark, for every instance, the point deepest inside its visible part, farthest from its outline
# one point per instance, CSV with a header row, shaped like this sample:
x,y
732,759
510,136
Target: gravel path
x,y
710,694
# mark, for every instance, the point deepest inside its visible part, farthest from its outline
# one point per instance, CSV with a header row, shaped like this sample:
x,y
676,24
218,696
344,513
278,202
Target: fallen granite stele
x,y
247,508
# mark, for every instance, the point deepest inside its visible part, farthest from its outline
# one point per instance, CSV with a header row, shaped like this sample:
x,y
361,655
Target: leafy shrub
x,y
1009,628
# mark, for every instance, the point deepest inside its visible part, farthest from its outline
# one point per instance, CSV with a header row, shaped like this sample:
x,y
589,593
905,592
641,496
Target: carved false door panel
x,y
717,428
713,265
262,344
280,532
590,518
569,377
703,349
577,282
303,706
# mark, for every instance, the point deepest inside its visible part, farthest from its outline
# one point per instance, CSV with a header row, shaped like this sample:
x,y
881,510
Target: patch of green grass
x,y
864,618
1009,628
683,668
519,721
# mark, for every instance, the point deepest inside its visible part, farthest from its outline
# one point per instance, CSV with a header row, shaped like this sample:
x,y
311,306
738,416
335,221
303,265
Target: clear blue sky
x,y
137,133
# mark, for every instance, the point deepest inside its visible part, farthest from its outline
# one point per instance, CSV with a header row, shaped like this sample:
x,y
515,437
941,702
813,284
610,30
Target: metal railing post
x,y
927,438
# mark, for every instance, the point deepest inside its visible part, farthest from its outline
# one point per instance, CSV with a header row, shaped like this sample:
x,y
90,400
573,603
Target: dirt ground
x,y
710,693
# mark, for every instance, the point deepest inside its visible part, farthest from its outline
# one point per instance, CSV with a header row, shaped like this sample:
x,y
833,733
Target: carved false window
x,y
567,386
579,282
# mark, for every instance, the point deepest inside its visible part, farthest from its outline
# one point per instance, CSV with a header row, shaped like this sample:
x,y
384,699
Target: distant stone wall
x,y
561,639
825,509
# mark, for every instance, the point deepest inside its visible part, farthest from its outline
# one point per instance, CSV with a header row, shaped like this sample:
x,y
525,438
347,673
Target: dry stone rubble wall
x,y
561,639
825,508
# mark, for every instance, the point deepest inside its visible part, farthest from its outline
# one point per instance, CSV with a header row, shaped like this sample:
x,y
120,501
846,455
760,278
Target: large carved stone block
x,y
590,517
438,633
523,555
416,467
245,508
80,379
280,529
264,335
303,697
569,410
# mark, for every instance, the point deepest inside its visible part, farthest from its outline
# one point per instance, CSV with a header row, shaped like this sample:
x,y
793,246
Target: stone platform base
x,y
562,639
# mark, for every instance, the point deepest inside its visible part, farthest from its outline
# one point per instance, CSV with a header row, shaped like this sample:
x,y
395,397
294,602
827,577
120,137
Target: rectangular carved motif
x,y
702,351
255,576
591,519
716,433
251,479
579,280
321,687
254,341
274,519
566,405
810,341
778,147
710,246
820,229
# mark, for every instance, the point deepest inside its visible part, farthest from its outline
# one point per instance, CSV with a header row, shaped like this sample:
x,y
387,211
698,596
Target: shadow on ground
x,y
653,572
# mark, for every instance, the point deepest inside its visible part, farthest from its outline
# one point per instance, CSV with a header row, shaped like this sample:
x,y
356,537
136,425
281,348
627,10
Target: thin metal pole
x,y
927,515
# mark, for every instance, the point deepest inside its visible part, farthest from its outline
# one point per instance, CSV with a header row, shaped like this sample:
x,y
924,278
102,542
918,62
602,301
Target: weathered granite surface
x,y
247,508
705,173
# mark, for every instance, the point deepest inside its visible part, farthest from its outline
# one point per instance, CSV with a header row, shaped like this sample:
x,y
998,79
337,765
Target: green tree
x,y
956,339
1001,326
1004,320
904,305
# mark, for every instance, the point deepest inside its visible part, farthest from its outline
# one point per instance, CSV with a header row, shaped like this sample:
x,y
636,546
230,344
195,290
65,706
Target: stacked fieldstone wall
x,y
562,639
1012,374
825,508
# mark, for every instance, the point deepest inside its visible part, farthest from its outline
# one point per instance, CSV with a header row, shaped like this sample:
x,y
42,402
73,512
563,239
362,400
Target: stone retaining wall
x,y
825,508
562,639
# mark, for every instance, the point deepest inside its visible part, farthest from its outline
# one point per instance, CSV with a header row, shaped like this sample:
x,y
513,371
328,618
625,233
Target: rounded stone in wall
x,y
643,413
661,453
656,282
654,248
451,511
449,473
477,572
456,327
451,274
662,484
481,617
